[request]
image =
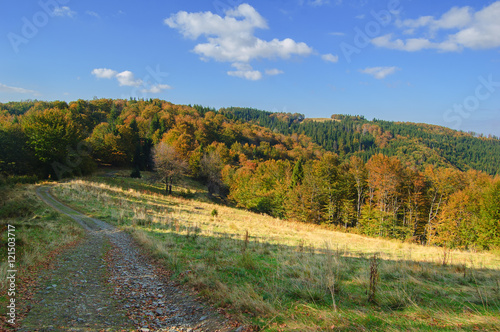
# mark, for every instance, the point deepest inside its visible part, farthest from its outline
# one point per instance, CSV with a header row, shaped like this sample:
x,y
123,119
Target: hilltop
x,y
418,144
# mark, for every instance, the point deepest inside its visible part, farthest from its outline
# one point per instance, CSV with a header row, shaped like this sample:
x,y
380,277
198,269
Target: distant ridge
x,y
416,143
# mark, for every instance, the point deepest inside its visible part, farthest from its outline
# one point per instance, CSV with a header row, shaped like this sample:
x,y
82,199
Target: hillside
x,y
403,181
249,216
418,144
286,276
267,273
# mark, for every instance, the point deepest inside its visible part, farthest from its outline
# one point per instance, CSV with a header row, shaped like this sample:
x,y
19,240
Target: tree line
x,y
282,164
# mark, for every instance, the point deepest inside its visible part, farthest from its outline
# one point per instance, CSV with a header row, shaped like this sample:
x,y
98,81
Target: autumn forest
x,y
414,182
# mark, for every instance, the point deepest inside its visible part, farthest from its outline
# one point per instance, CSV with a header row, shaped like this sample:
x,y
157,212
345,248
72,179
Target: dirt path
x,y
105,283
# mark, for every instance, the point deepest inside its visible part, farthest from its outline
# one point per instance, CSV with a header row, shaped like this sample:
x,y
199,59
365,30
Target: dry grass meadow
x,y
279,275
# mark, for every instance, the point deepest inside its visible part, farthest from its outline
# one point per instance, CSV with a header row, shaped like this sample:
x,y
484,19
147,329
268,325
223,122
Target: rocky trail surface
x,y
105,283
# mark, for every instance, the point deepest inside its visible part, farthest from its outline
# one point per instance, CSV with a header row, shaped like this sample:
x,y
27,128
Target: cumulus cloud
x,y
157,88
231,38
461,27
379,72
12,89
410,45
454,18
64,11
244,70
125,78
252,75
330,58
104,73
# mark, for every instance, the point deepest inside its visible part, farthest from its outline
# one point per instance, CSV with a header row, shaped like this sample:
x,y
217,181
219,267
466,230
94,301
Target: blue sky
x,y
422,61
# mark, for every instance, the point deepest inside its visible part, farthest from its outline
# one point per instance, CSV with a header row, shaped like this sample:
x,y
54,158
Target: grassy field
x,y
321,119
285,276
39,232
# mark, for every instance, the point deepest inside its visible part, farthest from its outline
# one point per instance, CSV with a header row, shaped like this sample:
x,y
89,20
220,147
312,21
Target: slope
x,y
419,144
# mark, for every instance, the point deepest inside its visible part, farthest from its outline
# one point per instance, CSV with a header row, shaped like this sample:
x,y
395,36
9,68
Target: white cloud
x,y
416,23
252,75
125,78
231,38
379,72
360,17
242,20
330,58
244,70
157,88
64,11
92,13
454,18
414,44
474,30
484,31
410,45
12,89
274,71
104,73
337,33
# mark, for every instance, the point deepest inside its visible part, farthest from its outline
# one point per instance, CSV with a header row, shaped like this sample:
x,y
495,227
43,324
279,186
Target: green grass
x,y
39,230
288,276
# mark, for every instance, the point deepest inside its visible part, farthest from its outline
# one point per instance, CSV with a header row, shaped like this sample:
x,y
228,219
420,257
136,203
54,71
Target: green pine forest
x,y
414,182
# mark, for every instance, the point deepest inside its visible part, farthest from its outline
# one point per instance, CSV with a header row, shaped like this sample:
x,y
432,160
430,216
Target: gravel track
x,y
106,283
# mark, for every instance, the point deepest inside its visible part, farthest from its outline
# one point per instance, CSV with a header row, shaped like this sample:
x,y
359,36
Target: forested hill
x,y
269,163
419,144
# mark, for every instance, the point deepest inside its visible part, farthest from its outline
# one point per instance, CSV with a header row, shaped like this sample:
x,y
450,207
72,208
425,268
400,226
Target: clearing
x,y
277,275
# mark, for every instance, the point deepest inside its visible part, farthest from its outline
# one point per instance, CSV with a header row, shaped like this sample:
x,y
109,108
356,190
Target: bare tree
x,y
168,165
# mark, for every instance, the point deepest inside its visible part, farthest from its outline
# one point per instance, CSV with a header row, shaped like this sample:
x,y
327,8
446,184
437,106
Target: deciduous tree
x,y
168,164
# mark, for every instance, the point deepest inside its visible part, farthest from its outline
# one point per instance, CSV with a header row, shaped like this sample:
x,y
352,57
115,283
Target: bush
x,y
187,194
136,174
